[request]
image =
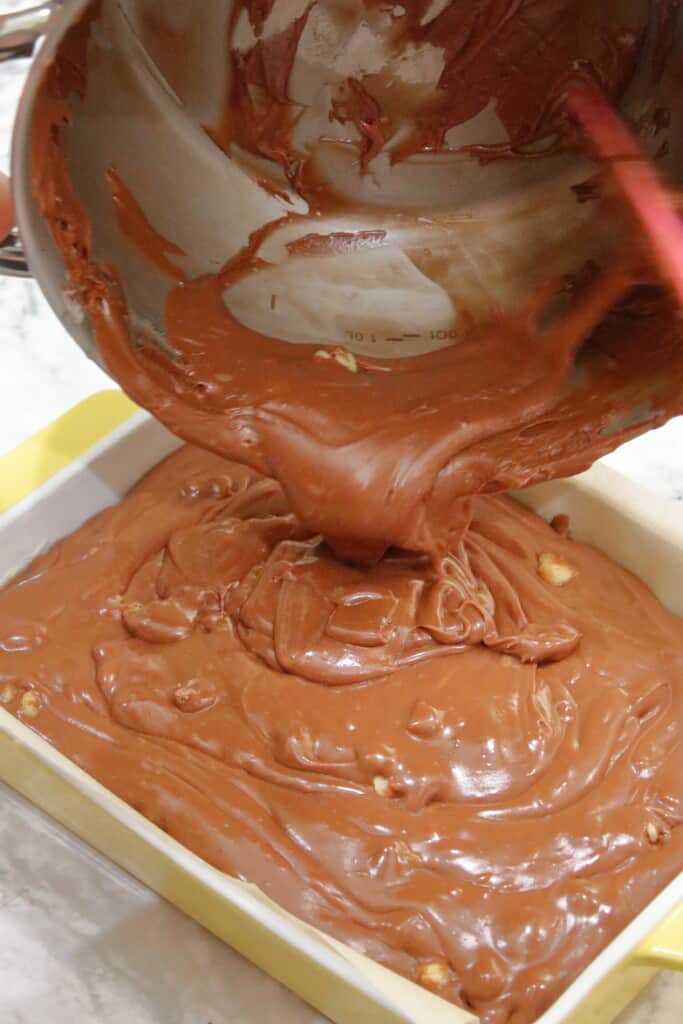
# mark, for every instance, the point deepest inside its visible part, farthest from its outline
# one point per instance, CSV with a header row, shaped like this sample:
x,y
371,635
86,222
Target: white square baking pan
x,y
89,459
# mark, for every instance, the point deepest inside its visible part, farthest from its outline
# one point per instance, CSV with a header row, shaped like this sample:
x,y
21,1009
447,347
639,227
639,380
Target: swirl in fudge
x,y
466,766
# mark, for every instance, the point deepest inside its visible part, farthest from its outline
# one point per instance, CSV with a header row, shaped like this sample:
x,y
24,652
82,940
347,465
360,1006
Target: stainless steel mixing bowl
x,y
458,234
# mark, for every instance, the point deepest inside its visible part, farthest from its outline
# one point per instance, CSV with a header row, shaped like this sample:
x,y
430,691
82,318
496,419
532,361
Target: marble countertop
x,y
81,941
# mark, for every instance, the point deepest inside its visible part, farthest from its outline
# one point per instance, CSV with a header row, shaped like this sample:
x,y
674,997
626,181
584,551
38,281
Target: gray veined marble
x,y
80,941
84,942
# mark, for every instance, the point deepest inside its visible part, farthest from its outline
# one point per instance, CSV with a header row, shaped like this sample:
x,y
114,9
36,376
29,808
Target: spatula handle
x,y
636,178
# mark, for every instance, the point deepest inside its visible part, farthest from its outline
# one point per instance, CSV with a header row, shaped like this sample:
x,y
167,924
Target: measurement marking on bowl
x,y
361,337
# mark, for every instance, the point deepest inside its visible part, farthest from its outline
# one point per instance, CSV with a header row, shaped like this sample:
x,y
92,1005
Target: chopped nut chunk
x,y
381,785
7,694
192,697
652,832
347,360
30,704
433,975
555,570
341,356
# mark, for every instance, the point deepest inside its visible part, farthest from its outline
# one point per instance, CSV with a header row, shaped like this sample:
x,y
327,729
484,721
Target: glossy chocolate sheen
x,y
472,775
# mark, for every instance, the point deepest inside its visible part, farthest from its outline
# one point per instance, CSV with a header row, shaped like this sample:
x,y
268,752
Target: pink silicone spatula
x,y
637,179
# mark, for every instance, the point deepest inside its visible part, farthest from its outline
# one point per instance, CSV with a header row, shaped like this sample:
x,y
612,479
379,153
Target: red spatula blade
x,y
636,178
